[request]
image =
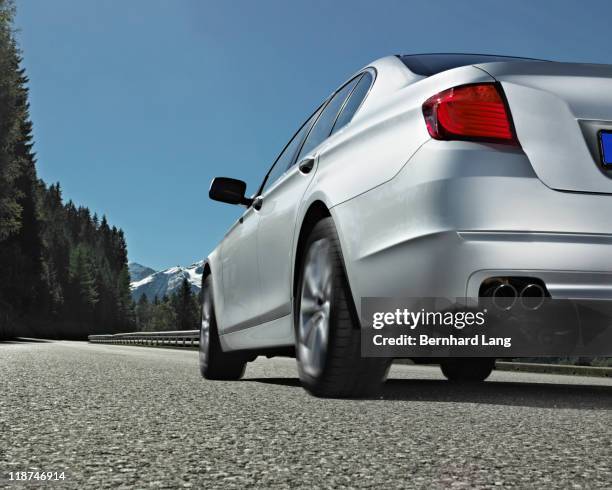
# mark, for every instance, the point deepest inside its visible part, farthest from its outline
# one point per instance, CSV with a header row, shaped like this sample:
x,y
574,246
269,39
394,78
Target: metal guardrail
x,y
531,367
177,338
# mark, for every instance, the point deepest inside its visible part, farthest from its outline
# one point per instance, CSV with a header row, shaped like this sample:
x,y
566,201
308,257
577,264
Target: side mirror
x,y
229,190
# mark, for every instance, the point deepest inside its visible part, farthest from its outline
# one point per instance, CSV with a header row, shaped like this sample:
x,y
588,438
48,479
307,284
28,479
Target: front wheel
x,y
328,336
214,363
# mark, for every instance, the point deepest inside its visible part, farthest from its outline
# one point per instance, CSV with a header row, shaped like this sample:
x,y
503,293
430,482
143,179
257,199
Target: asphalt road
x,y
113,416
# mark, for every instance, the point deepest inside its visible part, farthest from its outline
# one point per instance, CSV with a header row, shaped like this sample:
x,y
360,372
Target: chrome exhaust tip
x,y
532,297
504,296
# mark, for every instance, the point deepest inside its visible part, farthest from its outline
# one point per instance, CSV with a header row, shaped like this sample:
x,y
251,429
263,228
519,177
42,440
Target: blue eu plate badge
x,y
605,139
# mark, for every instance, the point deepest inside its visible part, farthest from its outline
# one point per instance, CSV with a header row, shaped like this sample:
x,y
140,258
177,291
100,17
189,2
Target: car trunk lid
x,y
558,111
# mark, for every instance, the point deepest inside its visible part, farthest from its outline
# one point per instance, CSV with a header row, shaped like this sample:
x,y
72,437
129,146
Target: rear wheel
x,y
214,363
328,336
467,369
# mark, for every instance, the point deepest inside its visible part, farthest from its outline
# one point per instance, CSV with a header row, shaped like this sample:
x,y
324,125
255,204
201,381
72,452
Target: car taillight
x,y
476,112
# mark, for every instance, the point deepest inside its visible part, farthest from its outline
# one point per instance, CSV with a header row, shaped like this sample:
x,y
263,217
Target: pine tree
x,y
21,248
10,125
28,283
144,313
56,249
125,304
185,307
84,295
164,318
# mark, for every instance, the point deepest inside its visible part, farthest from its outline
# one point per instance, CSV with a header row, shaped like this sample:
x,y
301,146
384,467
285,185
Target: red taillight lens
x,y
470,112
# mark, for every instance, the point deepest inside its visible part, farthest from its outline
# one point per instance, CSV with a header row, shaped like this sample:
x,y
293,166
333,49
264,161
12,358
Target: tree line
x,y
181,311
63,271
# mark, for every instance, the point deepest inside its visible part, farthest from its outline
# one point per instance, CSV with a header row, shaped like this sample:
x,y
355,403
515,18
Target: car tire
x,y
328,335
214,363
467,370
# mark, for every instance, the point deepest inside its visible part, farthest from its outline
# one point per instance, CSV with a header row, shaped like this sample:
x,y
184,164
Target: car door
x,y
279,207
240,274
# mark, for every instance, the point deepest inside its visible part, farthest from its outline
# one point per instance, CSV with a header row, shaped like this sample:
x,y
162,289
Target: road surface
x,y
139,416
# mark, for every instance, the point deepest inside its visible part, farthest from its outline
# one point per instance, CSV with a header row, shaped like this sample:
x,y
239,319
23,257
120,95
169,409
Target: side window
x,y
323,126
285,159
354,101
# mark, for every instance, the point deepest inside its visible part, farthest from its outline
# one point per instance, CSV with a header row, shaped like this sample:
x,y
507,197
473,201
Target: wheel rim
x,y
315,305
205,329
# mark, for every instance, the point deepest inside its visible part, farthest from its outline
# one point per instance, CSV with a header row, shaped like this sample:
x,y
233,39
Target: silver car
x,y
437,175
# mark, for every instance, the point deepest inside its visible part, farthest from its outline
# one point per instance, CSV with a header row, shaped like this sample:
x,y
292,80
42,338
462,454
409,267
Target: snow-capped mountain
x,y
139,271
167,281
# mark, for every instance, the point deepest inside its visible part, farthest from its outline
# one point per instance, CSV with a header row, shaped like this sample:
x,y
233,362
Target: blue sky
x,y
137,104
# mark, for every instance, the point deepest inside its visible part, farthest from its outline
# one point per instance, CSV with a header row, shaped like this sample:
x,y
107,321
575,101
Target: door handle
x,y
306,165
257,203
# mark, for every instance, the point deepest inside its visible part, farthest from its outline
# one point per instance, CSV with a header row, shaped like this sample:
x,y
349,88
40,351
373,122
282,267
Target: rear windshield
x,y
430,64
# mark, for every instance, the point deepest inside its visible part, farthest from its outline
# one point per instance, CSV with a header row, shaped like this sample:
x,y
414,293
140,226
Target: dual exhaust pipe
x,y
530,296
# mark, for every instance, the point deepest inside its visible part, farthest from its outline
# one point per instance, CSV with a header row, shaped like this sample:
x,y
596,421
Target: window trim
x,y
372,72
360,76
265,179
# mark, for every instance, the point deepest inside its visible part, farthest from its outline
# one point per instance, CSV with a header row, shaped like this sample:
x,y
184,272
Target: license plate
x,y
605,140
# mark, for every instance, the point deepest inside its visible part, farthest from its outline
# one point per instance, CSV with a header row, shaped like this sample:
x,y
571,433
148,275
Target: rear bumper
x,y
459,213
572,266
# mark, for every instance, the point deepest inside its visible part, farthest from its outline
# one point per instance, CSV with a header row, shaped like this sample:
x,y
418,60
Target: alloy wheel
x,y
205,330
315,305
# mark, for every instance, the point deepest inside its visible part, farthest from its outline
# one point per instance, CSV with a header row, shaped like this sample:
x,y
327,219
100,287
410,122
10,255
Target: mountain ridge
x,y
165,282
139,271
